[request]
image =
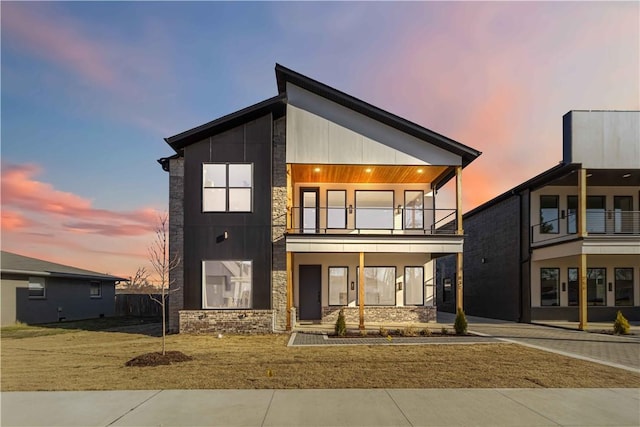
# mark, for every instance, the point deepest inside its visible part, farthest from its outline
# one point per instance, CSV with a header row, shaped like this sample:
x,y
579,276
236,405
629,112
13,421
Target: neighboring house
x,y
37,291
280,210
528,250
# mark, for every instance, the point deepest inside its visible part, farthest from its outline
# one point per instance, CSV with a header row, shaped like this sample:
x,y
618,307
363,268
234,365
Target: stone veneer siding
x,y
381,314
176,240
279,221
226,321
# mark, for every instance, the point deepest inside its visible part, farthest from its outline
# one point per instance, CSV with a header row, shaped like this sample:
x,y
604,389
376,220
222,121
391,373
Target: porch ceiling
x,y
374,174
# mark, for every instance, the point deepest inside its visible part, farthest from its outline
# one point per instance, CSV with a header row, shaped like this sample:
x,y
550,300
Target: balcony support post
x,y
289,198
582,227
289,288
361,292
459,232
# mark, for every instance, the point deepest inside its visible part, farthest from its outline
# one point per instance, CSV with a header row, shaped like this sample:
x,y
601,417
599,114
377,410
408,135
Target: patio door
x,y
309,285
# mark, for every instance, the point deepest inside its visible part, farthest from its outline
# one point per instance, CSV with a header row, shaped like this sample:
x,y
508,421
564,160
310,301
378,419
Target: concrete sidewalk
x,y
350,407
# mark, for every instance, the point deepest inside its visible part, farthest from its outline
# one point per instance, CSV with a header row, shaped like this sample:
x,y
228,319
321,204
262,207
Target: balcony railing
x,y
599,222
366,220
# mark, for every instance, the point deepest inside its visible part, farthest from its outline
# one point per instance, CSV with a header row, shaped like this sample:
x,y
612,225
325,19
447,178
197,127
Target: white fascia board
x,y
376,245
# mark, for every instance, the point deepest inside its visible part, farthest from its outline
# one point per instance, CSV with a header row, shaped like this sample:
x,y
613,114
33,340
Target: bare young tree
x,y
162,265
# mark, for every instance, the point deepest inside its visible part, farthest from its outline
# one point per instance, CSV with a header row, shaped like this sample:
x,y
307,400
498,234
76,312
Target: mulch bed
x,y
157,359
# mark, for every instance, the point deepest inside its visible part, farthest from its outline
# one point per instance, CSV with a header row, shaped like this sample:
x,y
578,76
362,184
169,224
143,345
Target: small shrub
x,y
383,332
621,325
409,331
363,332
460,324
444,331
341,325
426,332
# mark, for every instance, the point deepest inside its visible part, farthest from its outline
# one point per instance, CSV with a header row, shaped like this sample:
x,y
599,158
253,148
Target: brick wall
x,y
279,221
176,240
381,314
226,321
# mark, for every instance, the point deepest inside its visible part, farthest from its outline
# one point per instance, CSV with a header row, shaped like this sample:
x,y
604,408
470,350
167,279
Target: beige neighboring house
x,y
39,291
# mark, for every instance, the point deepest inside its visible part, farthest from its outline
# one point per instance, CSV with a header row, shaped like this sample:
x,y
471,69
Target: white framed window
x,y
414,285
549,215
379,285
37,288
95,289
336,209
374,209
227,284
338,286
227,187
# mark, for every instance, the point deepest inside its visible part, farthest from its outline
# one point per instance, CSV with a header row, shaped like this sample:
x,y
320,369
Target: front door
x,y
309,283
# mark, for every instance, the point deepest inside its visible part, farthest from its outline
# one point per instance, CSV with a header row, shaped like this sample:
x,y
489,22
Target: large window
x,y
374,209
338,287
414,286
227,187
596,215
596,286
95,289
549,287
336,209
414,209
379,285
36,287
226,284
572,214
549,215
573,283
624,286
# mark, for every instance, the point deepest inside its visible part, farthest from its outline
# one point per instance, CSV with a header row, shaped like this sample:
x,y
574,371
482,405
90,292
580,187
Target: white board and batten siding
x,y
320,131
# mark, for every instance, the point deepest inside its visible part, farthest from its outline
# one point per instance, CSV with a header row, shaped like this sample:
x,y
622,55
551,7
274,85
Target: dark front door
x,y
309,282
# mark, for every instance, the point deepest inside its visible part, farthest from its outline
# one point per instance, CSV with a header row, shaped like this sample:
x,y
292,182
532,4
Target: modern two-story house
x,y
307,203
564,245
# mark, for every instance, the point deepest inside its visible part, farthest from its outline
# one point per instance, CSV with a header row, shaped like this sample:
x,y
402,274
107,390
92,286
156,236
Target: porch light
x,y
368,170
420,170
316,170
350,209
626,175
399,211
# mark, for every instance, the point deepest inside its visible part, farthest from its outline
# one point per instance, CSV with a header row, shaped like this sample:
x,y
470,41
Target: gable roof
x,y
534,183
285,75
276,106
20,264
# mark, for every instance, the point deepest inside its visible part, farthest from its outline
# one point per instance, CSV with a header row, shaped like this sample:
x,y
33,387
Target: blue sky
x,y
89,91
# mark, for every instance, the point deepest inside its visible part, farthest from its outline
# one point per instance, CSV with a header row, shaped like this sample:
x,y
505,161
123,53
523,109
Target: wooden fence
x,y
139,305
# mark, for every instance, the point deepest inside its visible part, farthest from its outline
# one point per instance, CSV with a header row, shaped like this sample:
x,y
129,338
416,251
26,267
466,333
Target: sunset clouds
x,y
89,89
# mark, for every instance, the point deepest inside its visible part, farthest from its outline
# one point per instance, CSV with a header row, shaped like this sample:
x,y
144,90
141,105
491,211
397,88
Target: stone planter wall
x,y
381,314
226,321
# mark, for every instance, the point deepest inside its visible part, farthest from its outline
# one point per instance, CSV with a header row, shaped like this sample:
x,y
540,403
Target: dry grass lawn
x,y
94,360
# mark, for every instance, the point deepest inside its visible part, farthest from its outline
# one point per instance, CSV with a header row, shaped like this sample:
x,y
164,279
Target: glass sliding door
x,y
549,287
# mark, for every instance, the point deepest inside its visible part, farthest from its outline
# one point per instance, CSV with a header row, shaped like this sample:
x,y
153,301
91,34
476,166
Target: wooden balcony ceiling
x,y
374,174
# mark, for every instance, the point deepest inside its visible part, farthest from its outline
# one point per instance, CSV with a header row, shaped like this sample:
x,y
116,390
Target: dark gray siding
x,y
492,287
66,299
446,269
249,234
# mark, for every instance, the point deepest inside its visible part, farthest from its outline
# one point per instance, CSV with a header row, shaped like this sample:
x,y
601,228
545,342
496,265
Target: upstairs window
x,y
227,187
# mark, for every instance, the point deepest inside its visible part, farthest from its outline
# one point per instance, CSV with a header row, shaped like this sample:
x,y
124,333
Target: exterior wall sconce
x,y
610,287
483,260
564,287
221,238
399,209
350,209
399,286
353,286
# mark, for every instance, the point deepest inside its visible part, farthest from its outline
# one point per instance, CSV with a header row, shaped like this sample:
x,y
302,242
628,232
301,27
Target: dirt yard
x,y
81,359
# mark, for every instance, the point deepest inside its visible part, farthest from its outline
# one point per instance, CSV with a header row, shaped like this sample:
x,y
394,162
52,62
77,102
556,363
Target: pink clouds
x,y
40,220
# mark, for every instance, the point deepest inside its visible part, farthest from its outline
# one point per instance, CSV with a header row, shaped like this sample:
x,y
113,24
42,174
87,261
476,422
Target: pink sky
x,y
495,76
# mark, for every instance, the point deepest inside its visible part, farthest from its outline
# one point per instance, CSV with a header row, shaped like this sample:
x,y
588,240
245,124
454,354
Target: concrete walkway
x,y
617,351
379,407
